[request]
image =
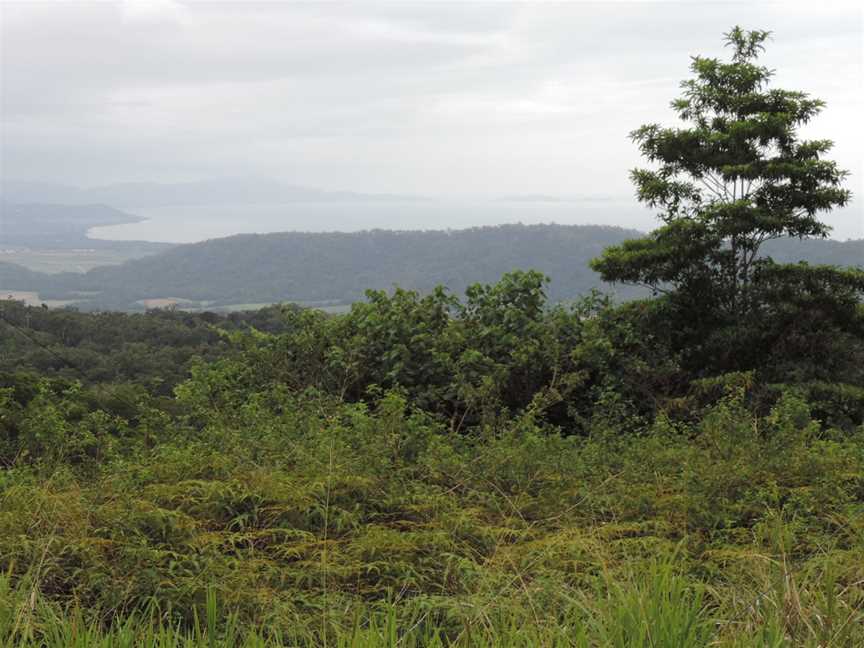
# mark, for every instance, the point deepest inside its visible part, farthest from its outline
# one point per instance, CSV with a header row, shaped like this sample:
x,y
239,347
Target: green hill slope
x,y
338,267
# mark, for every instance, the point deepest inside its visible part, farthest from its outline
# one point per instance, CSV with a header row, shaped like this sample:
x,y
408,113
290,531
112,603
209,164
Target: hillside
x,y
337,268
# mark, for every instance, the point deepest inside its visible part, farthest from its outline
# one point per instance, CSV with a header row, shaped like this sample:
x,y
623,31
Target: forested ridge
x,y
336,267
482,467
339,267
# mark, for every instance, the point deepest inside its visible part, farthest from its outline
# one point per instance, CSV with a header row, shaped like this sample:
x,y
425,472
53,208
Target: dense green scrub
x,y
310,520
481,471
521,490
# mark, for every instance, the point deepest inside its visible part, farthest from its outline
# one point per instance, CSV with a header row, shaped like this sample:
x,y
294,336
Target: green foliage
x,y
735,178
738,176
486,470
312,520
151,350
500,350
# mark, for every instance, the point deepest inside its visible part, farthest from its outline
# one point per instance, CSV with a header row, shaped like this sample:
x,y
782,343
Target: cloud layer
x,y
435,98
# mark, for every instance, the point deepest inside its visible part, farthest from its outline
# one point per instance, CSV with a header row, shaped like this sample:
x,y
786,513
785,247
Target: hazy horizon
x,y
190,224
450,101
329,210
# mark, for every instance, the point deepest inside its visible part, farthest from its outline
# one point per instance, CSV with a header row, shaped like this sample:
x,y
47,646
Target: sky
x,y
453,99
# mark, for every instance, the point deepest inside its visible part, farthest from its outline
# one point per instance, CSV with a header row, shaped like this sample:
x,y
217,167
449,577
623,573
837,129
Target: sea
x,y
189,224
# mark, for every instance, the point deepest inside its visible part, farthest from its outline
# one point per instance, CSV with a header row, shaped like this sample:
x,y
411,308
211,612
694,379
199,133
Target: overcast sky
x,y
431,98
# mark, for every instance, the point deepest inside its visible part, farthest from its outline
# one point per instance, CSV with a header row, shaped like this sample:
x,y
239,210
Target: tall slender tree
x,y
736,175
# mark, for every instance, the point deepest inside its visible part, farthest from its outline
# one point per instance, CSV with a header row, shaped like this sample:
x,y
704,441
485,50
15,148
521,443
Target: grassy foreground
x,y
307,522
494,470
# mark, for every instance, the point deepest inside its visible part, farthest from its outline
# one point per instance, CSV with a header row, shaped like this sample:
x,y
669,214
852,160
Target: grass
x,y
658,609
297,520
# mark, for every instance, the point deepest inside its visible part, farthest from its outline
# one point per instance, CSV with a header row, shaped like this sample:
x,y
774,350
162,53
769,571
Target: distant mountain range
x,y
336,268
220,191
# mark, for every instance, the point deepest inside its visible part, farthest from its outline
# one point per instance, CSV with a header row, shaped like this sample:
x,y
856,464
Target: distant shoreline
x,y
184,224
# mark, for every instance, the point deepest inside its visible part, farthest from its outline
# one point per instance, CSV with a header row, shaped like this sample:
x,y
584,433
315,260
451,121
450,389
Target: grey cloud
x,y
387,97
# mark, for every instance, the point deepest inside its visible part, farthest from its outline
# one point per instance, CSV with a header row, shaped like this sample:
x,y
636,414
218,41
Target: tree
x,y
736,176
